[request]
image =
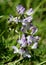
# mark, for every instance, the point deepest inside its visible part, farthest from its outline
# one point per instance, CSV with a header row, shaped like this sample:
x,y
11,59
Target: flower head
x,y
26,27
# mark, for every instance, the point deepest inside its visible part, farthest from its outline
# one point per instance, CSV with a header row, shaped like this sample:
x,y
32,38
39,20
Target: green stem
x,y
1,16
41,63
2,33
18,60
41,10
14,63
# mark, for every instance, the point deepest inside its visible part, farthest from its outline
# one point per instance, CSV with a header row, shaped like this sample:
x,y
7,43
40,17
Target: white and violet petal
x,y
34,45
15,49
30,11
20,9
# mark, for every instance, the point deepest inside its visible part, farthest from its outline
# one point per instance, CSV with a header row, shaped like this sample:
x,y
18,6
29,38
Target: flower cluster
x,y
27,27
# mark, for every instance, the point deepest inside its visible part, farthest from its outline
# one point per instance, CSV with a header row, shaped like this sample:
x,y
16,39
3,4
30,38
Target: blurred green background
x,y
8,39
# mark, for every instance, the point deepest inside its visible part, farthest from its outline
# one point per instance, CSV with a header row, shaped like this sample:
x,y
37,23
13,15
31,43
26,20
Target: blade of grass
x,y
14,63
37,8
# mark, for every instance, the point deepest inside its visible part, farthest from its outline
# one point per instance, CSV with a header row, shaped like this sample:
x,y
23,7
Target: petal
x,y
15,49
33,30
30,11
23,44
20,9
34,45
26,54
10,18
16,31
37,38
27,19
21,51
22,41
30,39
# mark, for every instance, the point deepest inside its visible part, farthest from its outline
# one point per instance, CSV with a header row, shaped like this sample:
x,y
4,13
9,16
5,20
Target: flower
x,y
29,39
20,9
26,20
22,41
30,11
26,27
33,30
21,51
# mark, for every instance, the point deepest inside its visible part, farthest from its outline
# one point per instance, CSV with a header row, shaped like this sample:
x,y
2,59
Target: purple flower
x,y
26,20
33,39
30,39
33,30
30,11
21,51
22,41
27,27
20,9
24,28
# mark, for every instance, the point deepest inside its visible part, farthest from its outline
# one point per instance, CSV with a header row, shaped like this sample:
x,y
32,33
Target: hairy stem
x,y
42,63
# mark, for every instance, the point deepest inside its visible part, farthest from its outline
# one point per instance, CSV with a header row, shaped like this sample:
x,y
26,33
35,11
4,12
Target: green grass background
x,y
8,39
